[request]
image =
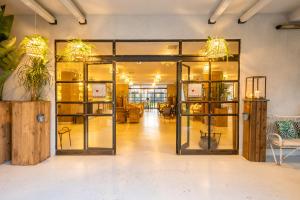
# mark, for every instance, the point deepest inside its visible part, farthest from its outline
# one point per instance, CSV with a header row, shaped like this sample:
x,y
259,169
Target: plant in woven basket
x,y
35,76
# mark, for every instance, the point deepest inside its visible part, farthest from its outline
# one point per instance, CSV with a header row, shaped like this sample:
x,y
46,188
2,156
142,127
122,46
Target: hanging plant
x,y
216,48
77,50
36,46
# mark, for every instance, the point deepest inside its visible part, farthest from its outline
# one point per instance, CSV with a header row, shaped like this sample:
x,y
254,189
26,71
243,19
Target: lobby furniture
x,y
133,115
61,132
121,115
167,113
30,132
214,140
5,131
277,141
255,123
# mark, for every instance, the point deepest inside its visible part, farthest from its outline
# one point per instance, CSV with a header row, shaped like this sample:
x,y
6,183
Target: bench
x,y
275,140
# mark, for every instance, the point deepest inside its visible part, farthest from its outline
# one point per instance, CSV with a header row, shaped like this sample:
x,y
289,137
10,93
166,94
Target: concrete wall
x,y
264,50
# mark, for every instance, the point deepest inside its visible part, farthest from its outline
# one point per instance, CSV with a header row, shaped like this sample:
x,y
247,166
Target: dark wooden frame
x,y
149,58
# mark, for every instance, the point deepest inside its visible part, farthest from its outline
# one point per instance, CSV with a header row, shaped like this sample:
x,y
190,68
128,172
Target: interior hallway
x,y
152,134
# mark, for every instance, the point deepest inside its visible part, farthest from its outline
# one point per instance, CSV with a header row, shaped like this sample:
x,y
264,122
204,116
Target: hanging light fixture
x,y
35,46
216,48
77,50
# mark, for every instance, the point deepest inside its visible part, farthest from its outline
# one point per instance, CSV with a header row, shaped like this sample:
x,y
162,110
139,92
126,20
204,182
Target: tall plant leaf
x,y
6,23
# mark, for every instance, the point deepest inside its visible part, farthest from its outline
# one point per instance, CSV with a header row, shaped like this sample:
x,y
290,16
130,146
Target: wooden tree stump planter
x,y
30,132
5,131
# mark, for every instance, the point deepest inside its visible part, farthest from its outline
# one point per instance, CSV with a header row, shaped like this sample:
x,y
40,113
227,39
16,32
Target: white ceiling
x,y
151,7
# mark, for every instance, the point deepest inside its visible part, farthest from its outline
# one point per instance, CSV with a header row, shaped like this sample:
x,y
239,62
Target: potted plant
x,y
32,145
10,57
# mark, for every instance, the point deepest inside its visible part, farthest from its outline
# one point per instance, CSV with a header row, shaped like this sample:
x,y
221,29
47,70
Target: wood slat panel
x,y
5,131
30,138
254,142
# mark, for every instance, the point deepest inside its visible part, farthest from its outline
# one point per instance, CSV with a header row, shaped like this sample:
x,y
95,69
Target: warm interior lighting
x,y
77,50
206,69
216,48
35,46
130,83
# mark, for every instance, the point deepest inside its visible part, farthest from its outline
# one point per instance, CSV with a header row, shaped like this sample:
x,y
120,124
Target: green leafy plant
x,y
10,53
34,76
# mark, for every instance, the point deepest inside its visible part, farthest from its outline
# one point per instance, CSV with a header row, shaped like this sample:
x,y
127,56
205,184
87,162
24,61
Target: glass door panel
x,y
100,107
208,107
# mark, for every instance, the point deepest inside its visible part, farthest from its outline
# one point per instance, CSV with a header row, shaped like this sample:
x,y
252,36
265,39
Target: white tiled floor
x,y
146,169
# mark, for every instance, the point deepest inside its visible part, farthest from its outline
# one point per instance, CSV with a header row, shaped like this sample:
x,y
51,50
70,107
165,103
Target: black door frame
x,y
179,58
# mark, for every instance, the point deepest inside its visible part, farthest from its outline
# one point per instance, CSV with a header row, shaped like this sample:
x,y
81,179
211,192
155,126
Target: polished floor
x,y
147,168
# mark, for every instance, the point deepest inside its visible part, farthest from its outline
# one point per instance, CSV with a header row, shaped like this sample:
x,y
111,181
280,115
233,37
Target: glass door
x,y
100,107
207,108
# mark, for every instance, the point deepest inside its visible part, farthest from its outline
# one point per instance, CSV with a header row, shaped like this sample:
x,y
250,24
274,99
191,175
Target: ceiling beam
x,y
70,5
295,15
253,10
37,8
219,11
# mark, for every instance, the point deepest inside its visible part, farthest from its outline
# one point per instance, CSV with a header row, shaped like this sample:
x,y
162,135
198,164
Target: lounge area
x,y
161,99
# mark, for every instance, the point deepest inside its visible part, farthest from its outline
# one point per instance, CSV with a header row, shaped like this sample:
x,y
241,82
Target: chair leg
x,y
60,140
280,156
70,139
274,155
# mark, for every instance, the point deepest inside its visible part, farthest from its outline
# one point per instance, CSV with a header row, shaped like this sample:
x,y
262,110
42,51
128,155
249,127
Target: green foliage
x,y
6,23
10,53
34,76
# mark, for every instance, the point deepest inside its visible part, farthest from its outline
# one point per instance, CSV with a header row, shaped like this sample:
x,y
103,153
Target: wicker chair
x,y
276,141
121,115
133,115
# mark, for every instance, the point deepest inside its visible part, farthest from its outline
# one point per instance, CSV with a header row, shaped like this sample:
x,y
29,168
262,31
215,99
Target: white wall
x,y
264,50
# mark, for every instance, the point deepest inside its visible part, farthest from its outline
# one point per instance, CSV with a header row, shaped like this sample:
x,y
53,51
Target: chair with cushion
x,y
284,134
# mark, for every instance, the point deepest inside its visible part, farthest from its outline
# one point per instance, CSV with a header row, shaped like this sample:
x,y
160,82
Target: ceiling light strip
x,y
223,5
69,4
37,8
253,10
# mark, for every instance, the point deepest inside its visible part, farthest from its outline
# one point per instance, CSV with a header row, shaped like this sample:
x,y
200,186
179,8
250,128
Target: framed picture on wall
x,y
195,90
99,90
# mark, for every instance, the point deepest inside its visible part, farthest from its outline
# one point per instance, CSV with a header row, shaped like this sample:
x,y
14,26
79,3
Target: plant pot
x,y
5,131
30,132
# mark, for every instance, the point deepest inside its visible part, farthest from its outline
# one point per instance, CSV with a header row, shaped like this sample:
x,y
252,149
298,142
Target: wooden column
x,y
5,131
254,139
30,137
